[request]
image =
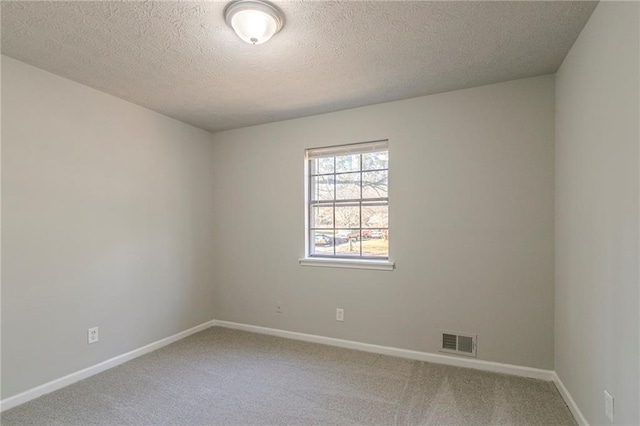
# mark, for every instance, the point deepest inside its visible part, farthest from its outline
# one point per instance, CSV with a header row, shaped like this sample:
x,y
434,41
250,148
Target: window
x,y
348,202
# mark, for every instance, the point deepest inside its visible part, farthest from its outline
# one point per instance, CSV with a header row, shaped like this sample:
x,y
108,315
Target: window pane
x,y
322,243
348,163
340,222
375,216
322,216
377,246
348,186
322,188
321,165
347,216
351,247
375,184
375,160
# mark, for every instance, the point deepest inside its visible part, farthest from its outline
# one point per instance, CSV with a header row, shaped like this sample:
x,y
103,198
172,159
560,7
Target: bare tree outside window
x,y
348,196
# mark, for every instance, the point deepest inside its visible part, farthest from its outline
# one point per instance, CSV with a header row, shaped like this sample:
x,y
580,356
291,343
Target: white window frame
x,y
335,261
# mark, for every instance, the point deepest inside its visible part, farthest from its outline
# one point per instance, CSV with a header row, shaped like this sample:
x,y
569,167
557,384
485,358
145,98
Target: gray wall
x,y
106,221
597,195
471,219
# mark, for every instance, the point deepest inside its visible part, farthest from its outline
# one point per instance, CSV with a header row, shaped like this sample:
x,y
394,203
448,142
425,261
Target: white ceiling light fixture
x,y
255,21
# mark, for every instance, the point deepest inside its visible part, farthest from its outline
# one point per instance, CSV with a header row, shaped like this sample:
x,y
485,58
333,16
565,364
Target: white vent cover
x,y
458,343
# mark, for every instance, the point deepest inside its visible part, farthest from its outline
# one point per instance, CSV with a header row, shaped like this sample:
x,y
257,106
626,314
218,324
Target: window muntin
x,y
348,201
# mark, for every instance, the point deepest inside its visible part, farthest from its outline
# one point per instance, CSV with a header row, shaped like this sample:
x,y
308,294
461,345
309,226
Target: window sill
x,y
379,265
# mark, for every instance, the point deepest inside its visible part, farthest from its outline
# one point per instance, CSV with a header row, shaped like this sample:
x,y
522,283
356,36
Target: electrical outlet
x,y
279,307
339,314
608,405
92,335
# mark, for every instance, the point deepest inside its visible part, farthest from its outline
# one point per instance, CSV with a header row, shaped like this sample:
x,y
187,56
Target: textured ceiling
x,y
181,59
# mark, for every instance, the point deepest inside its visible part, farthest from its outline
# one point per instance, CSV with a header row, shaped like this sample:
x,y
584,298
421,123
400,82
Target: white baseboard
x,y
577,414
495,367
34,393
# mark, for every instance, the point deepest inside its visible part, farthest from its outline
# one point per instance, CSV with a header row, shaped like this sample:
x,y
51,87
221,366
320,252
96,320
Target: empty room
x,y
320,212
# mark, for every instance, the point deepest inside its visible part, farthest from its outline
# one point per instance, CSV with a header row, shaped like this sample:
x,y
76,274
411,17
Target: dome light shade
x,y
254,21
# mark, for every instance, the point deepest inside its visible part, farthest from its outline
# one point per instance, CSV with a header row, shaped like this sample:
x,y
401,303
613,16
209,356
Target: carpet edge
x,y
568,399
476,364
33,393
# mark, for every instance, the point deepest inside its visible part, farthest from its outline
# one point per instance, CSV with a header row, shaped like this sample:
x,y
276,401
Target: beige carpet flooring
x,y
228,377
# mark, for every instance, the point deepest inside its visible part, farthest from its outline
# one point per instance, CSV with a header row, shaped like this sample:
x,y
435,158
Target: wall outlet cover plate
x,y
608,406
92,335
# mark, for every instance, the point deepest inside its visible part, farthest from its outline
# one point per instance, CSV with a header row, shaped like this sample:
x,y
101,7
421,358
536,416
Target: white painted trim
x,y
564,392
380,265
495,367
34,393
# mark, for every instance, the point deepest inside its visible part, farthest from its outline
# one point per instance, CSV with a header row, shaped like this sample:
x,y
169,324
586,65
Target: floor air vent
x,y
458,343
